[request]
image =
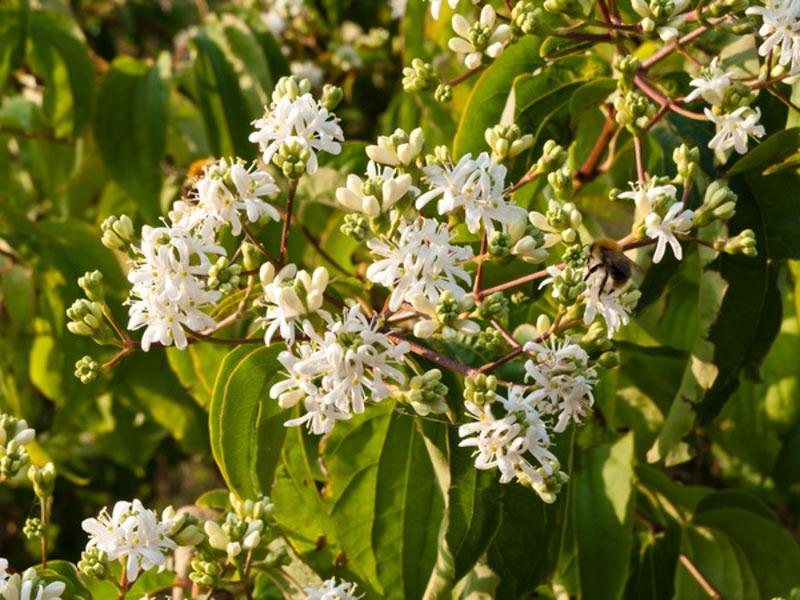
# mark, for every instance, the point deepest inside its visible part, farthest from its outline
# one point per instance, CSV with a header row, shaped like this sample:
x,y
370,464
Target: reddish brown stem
x,y
708,588
287,220
589,167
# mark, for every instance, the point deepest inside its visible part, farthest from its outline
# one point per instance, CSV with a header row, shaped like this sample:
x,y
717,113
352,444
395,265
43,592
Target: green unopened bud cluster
x,y
43,480
625,67
86,318
443,93
94,563
92,285
356,226
719,203
419,76
292,158
185,529
14,436
494,306
575,255
569,285
426,393
596,338
633,111
744,243
332,96
33,528
439,157
117,232
568,8
507,141
564,218
243,529
527,18
736,95
223,276
480,389
687,161
526,240
549,485
205,573
87,369
492,341
292,87
553,156
560,181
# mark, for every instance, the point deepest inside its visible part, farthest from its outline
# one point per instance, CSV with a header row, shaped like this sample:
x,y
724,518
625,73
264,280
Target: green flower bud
x,y
291,86
86,318
568,8
495,306
87,369
569,285
331,96
608,360
596,337
448,308
419,77
13,459
251,256
575,255
223,276
356,226
561,182
440,156
43,480
292,158
205,573
719,202
687,160
92,285
528,19
426,393
499,244
744,243
625,67
480,389
552,156
117,232
492,341
633,111
443,93
507,141
33,528
94,564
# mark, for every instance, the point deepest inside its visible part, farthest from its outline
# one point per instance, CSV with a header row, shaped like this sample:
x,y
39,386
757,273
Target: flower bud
x,y
543,324
495,306
291,86
529,19
419,77
92,285
43,480
94,563
251,257
443,93
480,389
86,318
33,528
331,97
719,202
687,160
744,243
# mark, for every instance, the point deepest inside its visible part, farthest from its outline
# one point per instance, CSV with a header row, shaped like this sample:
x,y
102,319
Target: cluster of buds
x,y
118,233
559,223
687,161
399,149
527,241
480,389
719,203
492,341
292,158
527,18
625,69
94,563
553,156
420,76
507,141
185,529
14,436
87,369
33,528
43,481
86,318
356,226
224,276
374,194
243,529
494,307
426,393
743,243
660,16
633,111
289,294
445,318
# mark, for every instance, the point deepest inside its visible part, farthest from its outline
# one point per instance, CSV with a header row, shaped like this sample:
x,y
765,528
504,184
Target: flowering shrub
x,y
399,299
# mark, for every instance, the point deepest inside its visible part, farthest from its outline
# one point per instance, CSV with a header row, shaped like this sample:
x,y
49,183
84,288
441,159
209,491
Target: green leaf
x,y
226,112
61,58
130,126
603,510
488,98
66,572
473,517
13,31
196,369
245,425
741,552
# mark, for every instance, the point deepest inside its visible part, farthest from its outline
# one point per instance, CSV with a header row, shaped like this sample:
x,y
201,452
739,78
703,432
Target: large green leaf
x,y
226,112
130,126
488,99
245,425
13,30
603,506
61,58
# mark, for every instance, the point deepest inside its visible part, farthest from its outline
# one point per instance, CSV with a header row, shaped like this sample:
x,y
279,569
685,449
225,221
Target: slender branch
x,y
674,105
708,588
517,282
476,288
589,168
524,180
321,251
45,136
252,238
43,537
670,48
287,221
464,76
640,172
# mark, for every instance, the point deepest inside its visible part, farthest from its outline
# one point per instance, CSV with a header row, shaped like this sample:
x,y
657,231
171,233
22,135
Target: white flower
x,y
19,432
663,229
711,84
733,129
290,295
563,380
476,185
665,24
169,289
479,38
779,28
4,574
222,194
279,14
607,304
331,590
377,192
337,372
436,6
133,533
302,120
649,195
398,8
398,149
421,261
432,324
29,586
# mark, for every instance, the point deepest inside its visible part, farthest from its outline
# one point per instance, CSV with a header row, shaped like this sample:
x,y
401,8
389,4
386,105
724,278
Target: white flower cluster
x,y
172,262
335,373
299,122
378,191
133,534
664,216
28,586
476,185
421,261
291,296
780,28
476,40
332,590
517,443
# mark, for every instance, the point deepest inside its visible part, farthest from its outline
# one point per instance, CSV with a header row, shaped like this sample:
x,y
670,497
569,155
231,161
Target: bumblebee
x,y
607,256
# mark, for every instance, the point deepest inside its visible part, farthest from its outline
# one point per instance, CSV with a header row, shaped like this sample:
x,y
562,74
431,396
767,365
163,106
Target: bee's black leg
x,y
593,269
